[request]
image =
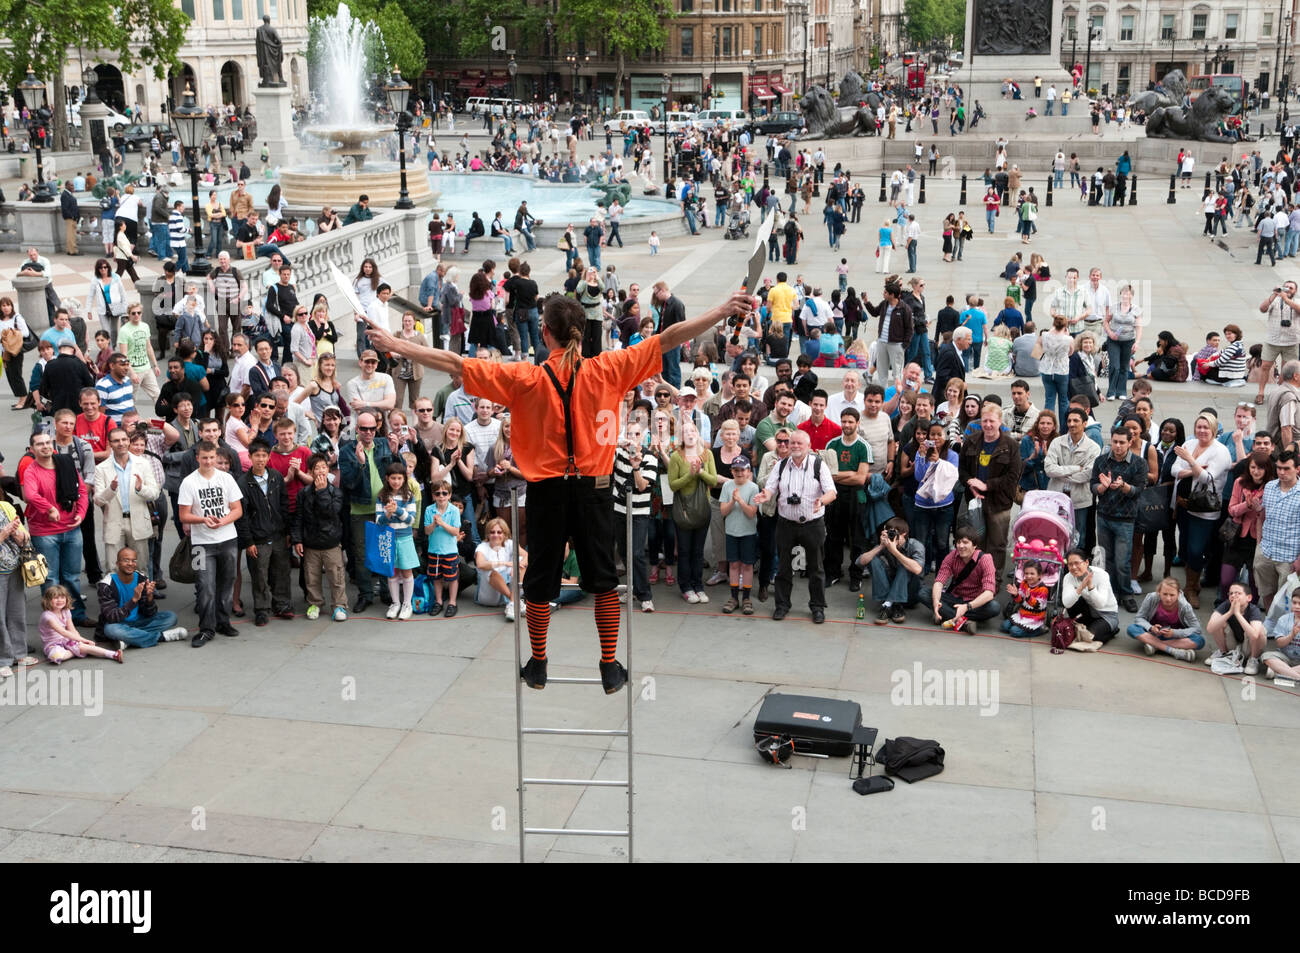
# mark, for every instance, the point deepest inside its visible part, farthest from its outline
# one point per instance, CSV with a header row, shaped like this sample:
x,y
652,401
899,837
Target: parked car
x,y
779,123
136,136
114,120
726,118
632,117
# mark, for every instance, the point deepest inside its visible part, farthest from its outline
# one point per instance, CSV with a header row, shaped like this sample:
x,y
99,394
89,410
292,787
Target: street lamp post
x,y
665,87
397,92
1087,68
830,46
550,58
34,93
1074,48
191,121
713,77
804,75
752,100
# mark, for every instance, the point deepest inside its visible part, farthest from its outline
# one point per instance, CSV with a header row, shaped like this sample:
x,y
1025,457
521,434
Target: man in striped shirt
x,y
636,471
1070,303
179,230
115,392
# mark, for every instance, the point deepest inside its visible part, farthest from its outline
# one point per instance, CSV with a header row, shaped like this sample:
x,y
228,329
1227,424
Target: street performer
x,y
568,466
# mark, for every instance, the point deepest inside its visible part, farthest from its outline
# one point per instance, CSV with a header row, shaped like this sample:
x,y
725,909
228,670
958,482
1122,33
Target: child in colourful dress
x,y
1029,610
61,638
397,510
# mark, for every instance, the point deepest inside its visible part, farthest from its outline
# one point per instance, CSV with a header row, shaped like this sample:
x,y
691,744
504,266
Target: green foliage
x,y
404,47
935,21
42,31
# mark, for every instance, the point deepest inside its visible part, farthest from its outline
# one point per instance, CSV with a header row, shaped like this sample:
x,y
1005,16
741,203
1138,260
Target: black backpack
x,y
911,759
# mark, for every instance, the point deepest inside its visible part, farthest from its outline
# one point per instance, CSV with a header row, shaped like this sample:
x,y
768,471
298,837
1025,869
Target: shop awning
x,y
497,82
761,92
781,89
469,83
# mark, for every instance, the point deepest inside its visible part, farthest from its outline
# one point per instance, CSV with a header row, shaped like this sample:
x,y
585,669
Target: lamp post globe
x,y
34,93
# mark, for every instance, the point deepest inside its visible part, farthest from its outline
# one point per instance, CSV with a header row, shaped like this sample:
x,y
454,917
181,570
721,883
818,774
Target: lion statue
x,y
853,90
825,120
1200,122
1168,92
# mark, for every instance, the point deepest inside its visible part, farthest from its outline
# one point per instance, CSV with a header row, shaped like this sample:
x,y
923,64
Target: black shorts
x,y
560,509
742,549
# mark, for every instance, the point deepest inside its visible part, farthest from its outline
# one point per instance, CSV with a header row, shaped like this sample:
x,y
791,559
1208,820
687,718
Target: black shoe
x,y
832,580
361,605
779,613
762,593
261,618
1130,604
882,617
855,585
818,616
435,609
613,676
160,585
897,615
285,613
227,629
203,637
534,673
450,611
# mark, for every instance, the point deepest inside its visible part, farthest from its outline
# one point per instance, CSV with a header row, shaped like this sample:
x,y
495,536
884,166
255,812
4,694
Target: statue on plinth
x,y
270,54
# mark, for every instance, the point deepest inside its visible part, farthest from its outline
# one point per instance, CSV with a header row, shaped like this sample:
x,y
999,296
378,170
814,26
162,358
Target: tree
x,y
930,21
404,47
133,33
629,26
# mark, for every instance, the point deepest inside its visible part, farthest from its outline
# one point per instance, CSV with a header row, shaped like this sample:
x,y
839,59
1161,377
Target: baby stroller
x,y
1044,532
737,223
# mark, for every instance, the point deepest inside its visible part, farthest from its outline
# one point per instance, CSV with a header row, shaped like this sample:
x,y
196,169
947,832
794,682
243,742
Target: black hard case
x,y
816,725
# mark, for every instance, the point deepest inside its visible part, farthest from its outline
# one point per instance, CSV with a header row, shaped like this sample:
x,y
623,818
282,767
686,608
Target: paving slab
x,y
36,847
355,845
207,832
51,814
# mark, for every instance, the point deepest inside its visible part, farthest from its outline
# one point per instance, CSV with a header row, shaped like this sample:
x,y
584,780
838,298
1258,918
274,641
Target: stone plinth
x,y
275,125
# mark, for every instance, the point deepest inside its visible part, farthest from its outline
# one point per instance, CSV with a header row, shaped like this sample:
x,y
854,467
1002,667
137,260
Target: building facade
x,y
1135,42
218,59
747,54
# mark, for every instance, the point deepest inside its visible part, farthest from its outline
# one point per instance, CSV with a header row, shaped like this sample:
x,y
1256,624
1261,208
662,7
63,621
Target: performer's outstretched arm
x,y
677,335
440,360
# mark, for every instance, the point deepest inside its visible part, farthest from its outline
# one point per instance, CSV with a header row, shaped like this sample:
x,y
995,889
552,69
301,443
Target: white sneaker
x,y
649,606
1183,655
340,614
716,578
510,611
691,597
405,612
175,635
1217,655
701,597
1149,649
1269,673
1135,586
313,613
393,610
1252,666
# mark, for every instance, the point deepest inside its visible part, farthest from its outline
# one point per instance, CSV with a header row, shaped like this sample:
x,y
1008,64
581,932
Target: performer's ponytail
x,y
565,319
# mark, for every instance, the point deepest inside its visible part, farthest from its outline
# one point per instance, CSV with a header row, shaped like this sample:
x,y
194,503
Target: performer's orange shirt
x,y
537,413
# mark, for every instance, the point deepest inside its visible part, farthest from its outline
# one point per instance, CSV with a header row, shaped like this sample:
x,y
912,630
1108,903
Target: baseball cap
x,y
740,463
369,355
687,391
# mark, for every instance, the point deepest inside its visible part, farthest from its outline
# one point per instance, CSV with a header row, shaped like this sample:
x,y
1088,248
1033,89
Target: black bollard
x,y
1133,190
921,199
1207,181
1049,190
882,187
1006,198
1173,182
962,200
1094,192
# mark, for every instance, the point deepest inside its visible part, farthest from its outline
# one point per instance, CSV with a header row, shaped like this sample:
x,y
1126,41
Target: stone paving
x,y
368,741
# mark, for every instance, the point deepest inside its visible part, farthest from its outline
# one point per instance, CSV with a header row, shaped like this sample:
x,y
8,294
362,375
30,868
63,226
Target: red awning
x,y
761,92
781,89
470,83
497,82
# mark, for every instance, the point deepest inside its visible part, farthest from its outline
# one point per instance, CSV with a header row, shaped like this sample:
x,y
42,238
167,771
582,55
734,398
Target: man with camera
x,y
1281,336
802,487
897,563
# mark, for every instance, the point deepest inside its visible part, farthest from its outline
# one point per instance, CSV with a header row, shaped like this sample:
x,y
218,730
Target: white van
x,y
497,107
677,121
634,118
724,118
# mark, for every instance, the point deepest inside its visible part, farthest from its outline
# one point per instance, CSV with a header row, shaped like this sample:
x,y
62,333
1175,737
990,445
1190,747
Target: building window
x,y
688,42
688,6
726,5
1227,66
1230,27
758,6
1122,80
726,41
1199,23
1094,76
758,41
218,9
265,7
1266,28
1126,26
1097,20
1069,24
1167,26
236,9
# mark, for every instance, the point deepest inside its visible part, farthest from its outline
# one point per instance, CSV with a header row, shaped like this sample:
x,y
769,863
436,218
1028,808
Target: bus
x,y
1234,83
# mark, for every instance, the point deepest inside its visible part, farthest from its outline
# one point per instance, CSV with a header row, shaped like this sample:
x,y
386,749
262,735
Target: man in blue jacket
x,y
361,465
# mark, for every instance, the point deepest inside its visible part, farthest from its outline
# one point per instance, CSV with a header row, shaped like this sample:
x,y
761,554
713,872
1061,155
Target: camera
x,y
1285,322
794,499
892,533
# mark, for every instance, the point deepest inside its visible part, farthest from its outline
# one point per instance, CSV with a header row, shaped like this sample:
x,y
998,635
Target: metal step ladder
x,y
522,730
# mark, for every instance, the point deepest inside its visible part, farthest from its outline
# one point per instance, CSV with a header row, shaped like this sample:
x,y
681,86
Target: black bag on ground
x,y
814,725
181,567
911,759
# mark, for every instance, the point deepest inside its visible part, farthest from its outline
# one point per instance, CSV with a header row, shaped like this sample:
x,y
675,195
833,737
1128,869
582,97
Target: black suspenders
x,y
566,395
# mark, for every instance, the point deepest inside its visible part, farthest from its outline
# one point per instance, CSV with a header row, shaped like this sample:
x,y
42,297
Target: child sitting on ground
x,y
1029,608
61,638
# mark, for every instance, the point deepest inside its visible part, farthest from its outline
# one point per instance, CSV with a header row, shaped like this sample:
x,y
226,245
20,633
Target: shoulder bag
x,y
35,569
691,510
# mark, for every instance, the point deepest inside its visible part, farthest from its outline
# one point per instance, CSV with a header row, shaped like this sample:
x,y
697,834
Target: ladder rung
x,y
573,681
574,831
576,782
611,732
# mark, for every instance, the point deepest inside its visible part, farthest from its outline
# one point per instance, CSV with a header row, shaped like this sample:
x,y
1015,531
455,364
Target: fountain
x,y
342,42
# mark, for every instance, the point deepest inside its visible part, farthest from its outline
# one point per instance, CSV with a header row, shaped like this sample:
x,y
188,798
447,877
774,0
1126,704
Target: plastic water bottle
x,y
862,607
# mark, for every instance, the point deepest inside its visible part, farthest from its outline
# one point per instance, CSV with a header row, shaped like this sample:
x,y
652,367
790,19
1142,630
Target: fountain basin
x,y
318,185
